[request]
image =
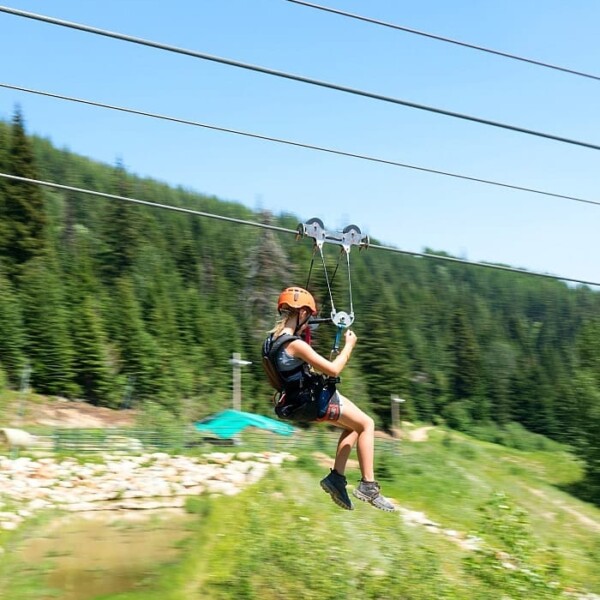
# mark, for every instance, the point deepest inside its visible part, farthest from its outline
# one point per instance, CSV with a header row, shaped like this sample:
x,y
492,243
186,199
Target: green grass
x,y
284,538
12,400
26,582
288,540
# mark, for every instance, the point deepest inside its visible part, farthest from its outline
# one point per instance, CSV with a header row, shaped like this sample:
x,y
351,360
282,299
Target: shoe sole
x,y
333,493
368,500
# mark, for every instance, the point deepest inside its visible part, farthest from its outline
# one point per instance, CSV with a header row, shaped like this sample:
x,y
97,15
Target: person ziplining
x,y
306,382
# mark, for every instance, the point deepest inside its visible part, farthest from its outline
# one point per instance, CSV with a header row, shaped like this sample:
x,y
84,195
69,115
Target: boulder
x,y
16,439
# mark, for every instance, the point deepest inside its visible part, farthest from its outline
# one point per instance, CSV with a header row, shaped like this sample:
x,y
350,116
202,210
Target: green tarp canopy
x,y
229,423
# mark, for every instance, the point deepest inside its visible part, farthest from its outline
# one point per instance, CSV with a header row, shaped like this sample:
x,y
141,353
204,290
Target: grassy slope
x,y
284,534
450,482
283,538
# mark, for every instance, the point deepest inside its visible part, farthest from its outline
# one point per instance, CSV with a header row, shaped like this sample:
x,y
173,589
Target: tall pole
x,y
237,381
238,363
396,415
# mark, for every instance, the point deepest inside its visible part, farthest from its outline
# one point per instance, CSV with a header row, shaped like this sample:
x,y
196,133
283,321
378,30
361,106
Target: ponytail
x,y
284,315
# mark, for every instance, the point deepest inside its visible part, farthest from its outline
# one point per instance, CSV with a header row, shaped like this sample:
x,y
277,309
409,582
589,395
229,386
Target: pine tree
x,y
122,228
69,219
500,365
24,206
588,348
12,333
3,184
92,364
269,272
466,371
587,385
138,349
382,353
48,340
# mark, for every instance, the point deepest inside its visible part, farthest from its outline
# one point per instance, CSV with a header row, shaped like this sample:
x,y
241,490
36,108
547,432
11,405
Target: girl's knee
x,y
365,424
354,418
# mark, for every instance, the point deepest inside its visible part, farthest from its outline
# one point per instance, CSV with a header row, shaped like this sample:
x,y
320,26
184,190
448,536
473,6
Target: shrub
x,y
509,560
511,435
457,415
161,428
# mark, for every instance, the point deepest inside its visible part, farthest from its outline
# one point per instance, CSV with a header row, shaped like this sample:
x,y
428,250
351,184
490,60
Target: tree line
x,y
120,304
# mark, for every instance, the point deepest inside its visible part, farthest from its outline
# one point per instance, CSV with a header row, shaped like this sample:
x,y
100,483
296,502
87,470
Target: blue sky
x,y
407,209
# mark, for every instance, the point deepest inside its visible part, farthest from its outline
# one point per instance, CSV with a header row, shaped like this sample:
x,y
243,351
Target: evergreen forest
x,y
125,305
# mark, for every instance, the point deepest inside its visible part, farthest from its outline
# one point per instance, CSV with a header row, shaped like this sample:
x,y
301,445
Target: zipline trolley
x,y
348,237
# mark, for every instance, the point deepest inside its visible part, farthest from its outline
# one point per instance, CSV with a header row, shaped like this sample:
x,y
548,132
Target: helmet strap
x,y
300,323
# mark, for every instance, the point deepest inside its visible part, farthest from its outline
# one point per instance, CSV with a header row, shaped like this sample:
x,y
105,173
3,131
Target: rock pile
x,y
147,481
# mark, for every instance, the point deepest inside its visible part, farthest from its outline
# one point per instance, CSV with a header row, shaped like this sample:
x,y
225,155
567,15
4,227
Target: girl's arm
x,y
332,368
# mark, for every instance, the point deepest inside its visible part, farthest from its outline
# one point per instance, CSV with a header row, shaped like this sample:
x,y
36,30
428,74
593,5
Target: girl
x,y
307,396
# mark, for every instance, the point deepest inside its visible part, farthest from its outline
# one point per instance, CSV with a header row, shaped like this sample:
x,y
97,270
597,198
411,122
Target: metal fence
x,y
186,440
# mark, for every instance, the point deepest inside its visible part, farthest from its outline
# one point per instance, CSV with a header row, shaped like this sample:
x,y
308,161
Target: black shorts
x,y
319,403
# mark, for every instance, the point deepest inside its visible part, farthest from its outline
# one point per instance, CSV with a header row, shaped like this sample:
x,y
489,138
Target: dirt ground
x,y
420,434
58,412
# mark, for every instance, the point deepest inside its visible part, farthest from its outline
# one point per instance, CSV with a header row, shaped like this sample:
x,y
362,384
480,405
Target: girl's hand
x,y
350,338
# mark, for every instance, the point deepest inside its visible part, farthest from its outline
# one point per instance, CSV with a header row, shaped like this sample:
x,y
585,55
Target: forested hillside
x,y
115,303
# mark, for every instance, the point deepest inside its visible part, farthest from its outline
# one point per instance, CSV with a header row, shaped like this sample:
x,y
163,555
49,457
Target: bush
x,y
199,505
308,463
486,432
385,467
514,435
511,435
509,560
161,428
458,416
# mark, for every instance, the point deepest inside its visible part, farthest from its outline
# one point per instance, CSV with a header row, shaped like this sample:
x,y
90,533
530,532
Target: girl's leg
x,y
363,428
344,447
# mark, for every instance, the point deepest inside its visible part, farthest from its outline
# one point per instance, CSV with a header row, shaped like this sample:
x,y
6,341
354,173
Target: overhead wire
x,y
237,221
180,209
307,146
295,77
441,38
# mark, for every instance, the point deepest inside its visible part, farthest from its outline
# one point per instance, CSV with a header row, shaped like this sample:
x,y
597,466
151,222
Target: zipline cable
x,y
146,203
286,230
306,146
440,38
294,77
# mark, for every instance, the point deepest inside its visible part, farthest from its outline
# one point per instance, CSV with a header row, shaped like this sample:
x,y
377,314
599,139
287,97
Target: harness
x,y
279,379
301,395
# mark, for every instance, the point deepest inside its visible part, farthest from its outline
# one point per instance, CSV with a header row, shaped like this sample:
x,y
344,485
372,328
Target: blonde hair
x,y
284,314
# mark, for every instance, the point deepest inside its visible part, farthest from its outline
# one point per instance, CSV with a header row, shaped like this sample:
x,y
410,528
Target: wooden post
x,y
237,381
396,424
238,363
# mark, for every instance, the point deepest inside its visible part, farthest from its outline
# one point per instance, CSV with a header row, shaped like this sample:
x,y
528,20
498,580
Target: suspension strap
x,y
350,236
312,262
349,282
327,282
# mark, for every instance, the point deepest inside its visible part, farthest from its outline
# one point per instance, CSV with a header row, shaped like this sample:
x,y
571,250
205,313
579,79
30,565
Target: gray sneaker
x,y
335,485
368,491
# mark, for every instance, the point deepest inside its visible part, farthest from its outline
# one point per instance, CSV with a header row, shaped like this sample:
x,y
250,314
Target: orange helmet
x,y
296,297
